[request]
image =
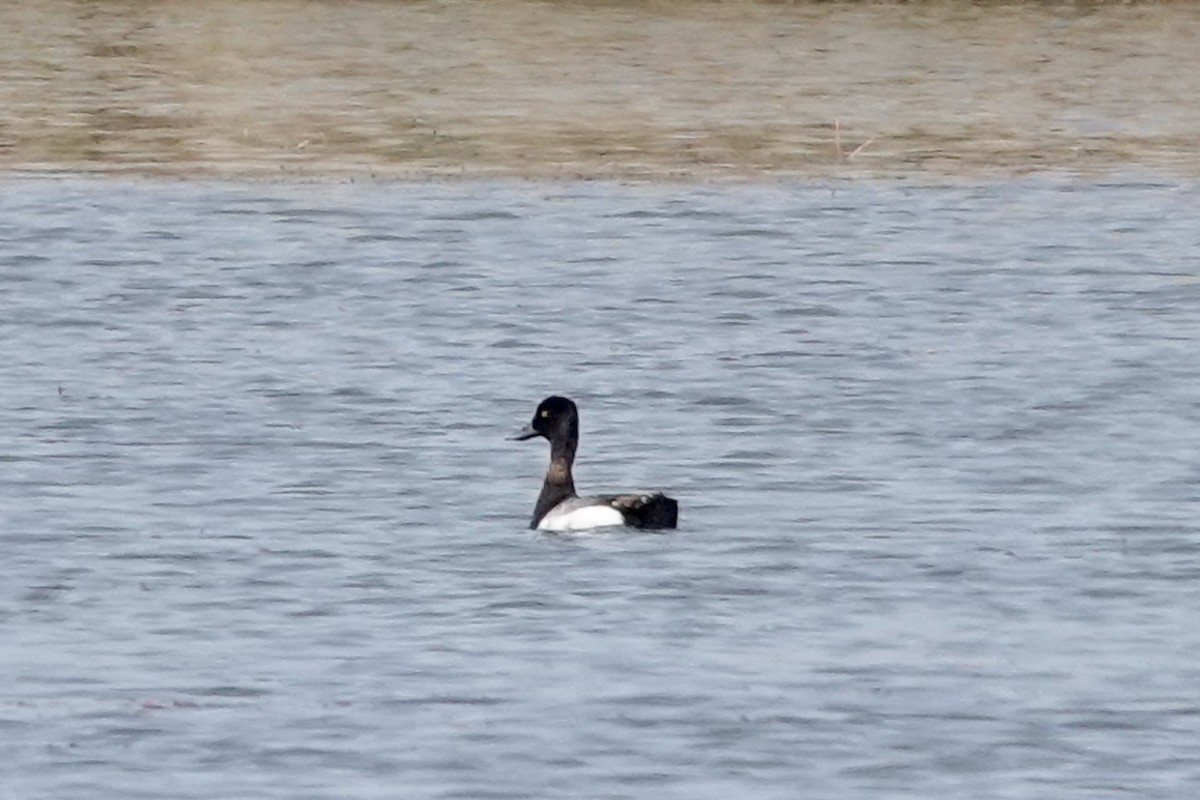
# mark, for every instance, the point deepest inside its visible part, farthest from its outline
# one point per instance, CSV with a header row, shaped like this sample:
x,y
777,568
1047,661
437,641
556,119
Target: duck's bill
x,y
526,433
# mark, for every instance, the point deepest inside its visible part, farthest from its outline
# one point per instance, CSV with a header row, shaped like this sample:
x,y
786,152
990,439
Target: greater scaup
x,y
559,508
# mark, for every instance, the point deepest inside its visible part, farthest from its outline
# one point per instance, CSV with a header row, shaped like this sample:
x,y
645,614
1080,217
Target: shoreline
x,y
620,92
1117,172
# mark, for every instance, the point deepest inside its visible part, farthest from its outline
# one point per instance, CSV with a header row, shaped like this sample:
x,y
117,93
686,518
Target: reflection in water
x,y
679,90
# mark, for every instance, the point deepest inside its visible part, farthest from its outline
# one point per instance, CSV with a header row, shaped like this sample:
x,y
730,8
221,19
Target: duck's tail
x,y
650,511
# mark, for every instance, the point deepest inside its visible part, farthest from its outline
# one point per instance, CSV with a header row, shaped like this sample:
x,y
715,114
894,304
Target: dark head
x,y
556,419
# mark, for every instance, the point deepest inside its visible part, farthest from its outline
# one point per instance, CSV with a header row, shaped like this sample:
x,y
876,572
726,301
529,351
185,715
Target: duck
x,y
559,508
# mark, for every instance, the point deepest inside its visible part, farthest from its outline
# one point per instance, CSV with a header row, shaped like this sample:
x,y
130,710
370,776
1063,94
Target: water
x,y
935,450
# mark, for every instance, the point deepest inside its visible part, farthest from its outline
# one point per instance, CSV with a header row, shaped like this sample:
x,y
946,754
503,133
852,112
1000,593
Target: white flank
x,y
581,519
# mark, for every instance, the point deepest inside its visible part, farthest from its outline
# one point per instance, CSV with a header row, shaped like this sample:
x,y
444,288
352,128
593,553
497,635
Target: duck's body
x,y
648,511
559,508
578,514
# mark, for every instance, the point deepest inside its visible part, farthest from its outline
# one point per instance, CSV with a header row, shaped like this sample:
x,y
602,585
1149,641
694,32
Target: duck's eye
x,y
545,413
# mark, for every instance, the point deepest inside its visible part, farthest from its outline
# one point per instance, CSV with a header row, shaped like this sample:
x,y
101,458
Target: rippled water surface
x,y
935,450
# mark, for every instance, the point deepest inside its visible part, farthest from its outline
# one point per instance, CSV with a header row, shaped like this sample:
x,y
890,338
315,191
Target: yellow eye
x,y
545,413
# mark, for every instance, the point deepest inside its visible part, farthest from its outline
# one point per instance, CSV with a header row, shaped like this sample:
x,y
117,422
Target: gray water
x,y
935,450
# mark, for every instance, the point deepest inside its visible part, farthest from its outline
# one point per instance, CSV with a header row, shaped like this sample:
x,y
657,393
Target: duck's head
x,y
556,419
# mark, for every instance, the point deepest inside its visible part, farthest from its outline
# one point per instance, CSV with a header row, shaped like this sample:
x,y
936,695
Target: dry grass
x,y
653,90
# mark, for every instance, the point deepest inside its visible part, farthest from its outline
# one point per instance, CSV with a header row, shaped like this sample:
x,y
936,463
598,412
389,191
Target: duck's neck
x,y
558,485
